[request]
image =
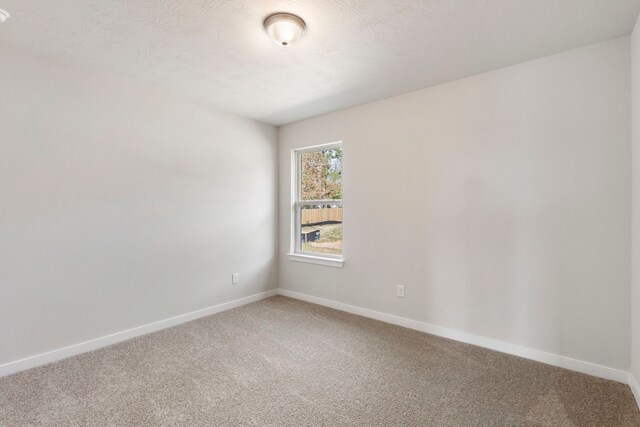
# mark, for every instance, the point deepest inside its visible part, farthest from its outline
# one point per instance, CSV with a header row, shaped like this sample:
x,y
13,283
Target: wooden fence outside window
x,y
316,216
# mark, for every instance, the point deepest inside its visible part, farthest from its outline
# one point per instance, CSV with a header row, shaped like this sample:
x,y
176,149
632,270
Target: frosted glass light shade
x,y
284,28
4,15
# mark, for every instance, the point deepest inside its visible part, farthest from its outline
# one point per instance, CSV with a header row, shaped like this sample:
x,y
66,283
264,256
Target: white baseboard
x,y
634,388
501,346
94,344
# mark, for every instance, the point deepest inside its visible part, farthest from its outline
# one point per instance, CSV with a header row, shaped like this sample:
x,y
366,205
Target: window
x,y
317,206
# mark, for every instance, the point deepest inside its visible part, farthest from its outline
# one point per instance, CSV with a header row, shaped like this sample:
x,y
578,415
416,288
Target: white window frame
x,y
297,254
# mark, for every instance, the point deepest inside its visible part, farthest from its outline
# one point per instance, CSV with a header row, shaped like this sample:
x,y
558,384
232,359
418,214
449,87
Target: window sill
x,y
311,259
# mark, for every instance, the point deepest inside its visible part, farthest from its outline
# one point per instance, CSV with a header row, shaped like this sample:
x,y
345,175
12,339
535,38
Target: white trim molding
x,y
94,344
635,389
297,202
528,353
312,259
465,337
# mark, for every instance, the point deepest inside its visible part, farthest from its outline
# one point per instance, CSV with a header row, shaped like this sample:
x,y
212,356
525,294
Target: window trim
x,y
296,253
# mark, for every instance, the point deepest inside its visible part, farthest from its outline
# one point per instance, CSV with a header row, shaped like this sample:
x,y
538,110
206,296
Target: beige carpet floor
x,y
282,362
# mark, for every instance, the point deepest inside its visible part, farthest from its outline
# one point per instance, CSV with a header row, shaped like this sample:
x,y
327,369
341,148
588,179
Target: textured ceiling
x,y
355,51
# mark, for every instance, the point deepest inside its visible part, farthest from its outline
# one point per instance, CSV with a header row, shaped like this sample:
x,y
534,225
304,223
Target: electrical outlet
x,y
235,278
400,291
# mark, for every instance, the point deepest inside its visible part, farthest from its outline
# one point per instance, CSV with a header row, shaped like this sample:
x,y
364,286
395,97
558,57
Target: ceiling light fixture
x,y
4,15
284,28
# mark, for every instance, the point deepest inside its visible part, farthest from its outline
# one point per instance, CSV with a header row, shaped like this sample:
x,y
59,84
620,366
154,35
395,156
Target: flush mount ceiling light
x,y
284,28
4,15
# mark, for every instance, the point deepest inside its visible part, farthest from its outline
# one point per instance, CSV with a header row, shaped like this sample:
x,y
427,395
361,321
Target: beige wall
x,y
503,205
635,122
122,204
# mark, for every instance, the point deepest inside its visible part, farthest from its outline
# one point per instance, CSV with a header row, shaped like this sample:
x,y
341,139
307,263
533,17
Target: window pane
x,y
321,175
321,229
